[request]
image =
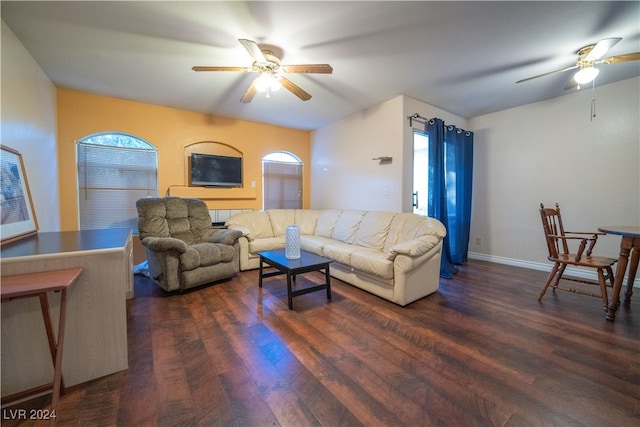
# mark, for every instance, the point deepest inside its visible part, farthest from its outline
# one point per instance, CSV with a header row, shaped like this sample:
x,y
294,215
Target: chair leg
x,y
554,270
603,290
611,278
556,282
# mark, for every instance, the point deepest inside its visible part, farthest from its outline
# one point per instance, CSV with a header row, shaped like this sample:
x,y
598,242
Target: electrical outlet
x,y
478,241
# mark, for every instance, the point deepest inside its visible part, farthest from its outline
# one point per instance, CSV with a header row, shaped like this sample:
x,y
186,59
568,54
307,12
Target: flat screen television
x,y
216,171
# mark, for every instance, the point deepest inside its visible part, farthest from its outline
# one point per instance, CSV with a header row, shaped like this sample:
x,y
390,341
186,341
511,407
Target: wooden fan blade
x,y
206,68
295,89
546,74
621,58
601,48
571,84
308,68
249,93
254,50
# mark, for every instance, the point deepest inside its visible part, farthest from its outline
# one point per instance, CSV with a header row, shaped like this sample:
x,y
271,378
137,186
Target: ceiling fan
x,y
271,78
588,57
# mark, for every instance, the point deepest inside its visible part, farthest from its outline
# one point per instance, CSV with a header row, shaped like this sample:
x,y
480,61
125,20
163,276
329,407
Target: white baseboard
x,y
575,272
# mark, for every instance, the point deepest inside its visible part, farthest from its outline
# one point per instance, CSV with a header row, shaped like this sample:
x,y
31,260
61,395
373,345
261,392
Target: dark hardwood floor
x,y
482,351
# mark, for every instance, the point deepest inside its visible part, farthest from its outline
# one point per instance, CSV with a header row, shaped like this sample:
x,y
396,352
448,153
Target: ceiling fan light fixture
x,y
267,82
266,62
586,75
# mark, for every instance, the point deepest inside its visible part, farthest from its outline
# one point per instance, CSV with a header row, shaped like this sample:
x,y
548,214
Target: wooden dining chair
x,y
559,243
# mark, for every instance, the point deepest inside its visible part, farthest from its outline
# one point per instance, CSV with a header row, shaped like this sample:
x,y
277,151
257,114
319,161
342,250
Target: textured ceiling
x,y
463,57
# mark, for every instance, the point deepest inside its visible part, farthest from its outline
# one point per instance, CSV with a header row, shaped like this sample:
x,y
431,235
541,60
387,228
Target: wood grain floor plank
x,y
273,388
482,351
321,361
419,364
174,403
139,388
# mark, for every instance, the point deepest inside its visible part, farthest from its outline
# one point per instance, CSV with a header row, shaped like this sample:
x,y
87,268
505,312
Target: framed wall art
x,y
16,210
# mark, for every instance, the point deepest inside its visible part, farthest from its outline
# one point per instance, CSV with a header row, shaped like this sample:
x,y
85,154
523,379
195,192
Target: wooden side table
x,y
37,285
630,244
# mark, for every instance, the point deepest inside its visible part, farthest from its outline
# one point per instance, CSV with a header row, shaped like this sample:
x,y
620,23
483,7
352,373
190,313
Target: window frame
x,y
98,181
281,159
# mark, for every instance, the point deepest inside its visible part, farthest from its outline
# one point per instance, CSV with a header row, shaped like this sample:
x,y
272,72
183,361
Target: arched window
x,y
114,170
281,181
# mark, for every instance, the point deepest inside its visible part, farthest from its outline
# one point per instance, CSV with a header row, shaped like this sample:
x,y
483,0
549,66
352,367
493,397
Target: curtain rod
x,y
417,117
423,120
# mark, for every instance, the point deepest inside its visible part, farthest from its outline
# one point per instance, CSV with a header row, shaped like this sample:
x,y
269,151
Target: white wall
x,y
552,152
28,124
343,174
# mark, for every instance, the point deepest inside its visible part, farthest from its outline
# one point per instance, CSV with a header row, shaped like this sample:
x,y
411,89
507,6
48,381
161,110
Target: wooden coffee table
x,y
291,267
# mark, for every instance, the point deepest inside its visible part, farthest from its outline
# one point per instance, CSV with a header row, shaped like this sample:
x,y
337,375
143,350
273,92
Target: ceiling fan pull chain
x,y
593,102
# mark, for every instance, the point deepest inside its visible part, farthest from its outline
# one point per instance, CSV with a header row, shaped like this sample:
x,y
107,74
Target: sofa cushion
x,y
199,219
266,244
347,225
314,244
163,244
415,247
408,226
176,207
372,261
326,222
256,223
339,251
179,229
227,237
200,254
306,219
374,229
177,217
152,221
227,252
280,219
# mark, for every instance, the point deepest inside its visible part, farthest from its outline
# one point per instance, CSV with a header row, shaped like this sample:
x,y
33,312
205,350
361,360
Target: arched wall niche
x,y
207,147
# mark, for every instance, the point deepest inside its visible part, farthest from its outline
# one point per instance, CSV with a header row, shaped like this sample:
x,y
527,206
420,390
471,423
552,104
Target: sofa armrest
x,y
243,230
227,237
415,247
162,244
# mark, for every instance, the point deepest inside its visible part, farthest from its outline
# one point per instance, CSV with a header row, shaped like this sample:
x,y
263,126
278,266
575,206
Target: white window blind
x,y
282,185
110,180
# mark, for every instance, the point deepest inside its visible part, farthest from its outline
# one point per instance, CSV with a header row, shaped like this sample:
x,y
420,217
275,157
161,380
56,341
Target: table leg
x,y
633,269
55,347
328,281
289,295
57,378
260,274
48,326
625,248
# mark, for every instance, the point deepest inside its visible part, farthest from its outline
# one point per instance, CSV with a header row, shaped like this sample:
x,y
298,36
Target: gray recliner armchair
x,y
183,249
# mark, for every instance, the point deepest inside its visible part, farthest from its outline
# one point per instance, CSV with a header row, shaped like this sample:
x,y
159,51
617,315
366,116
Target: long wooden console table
x,y
96,323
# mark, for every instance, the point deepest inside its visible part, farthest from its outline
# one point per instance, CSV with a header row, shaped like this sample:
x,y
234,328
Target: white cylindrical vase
x,y
292,242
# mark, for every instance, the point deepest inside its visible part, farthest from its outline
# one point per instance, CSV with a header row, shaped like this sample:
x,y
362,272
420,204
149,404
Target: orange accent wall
x,y
171,130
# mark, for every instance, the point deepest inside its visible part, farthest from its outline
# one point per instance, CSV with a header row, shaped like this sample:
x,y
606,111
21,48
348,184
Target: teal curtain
x,y
450,179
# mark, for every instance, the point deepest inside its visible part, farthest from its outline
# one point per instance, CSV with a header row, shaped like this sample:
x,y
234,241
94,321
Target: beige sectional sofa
x,y
393,255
